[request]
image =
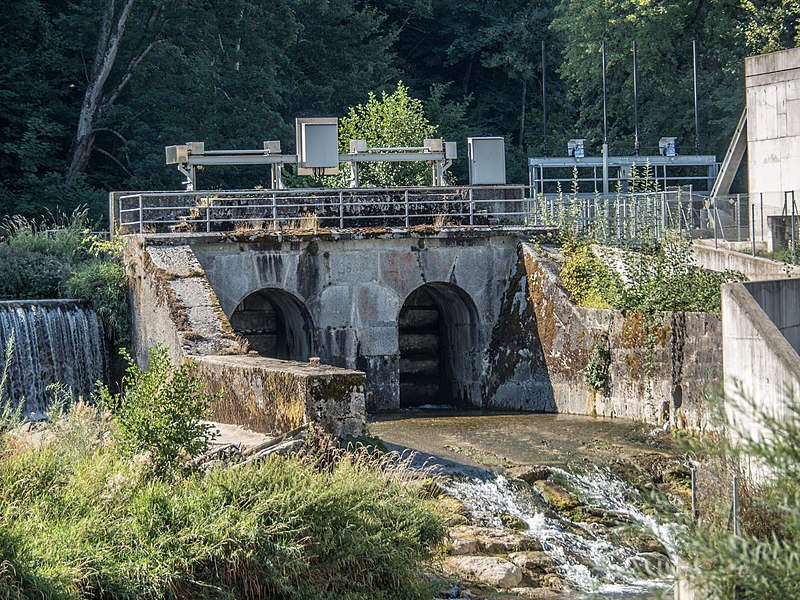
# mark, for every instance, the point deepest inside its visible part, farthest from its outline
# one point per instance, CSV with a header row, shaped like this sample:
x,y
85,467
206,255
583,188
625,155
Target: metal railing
x,y
212,211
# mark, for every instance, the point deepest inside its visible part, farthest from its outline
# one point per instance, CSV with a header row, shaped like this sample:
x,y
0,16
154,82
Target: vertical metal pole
x,y
794,242
636,146
716,220
694,494
736,505
471,207
141,217
737,213
274,212
405,202
761,195
544,102
605,122
753,229
341,209
208,216
696,117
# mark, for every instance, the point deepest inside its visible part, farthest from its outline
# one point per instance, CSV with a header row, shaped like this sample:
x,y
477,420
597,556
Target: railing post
x,y
208,214
716,220
274,212
753,229
405,202
141,215
341,209
471,208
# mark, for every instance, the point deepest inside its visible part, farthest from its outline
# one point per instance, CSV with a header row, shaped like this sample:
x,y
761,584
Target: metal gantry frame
x,y
188,157
543,177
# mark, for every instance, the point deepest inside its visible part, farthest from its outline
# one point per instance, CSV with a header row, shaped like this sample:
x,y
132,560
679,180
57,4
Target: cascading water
x,y
54,341
587,558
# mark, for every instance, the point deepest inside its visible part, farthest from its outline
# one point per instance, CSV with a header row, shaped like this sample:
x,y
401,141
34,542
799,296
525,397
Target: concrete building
x,y
772,84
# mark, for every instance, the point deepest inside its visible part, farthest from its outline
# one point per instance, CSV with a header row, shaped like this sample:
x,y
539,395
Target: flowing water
x,y
55,341
596,561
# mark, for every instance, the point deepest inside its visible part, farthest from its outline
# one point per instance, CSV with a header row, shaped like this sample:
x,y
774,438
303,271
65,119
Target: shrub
x,y
764,561
103,283
30,275
589,281
595,375
160,411
60,236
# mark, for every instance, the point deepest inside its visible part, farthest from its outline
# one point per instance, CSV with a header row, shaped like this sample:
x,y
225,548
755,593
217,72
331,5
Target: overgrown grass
x,y
90,524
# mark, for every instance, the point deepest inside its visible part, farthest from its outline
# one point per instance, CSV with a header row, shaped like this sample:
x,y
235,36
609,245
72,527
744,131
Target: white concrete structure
x,y
772,83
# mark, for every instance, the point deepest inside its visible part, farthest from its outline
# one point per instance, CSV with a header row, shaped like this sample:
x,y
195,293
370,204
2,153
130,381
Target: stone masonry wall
x,y
661,368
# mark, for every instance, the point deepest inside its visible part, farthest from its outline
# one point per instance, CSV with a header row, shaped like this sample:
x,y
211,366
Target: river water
x,y
590,457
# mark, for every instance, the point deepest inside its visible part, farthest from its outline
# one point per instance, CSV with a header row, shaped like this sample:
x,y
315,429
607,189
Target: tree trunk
x,y
95,100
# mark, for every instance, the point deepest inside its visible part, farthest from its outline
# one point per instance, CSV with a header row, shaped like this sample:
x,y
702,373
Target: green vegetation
x,y
234,72
394,120
595,375
87,515
764,561
159,411
665,278
58,257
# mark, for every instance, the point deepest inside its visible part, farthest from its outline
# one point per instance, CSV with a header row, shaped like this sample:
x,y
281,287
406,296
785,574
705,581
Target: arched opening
x,y
439,350
275,323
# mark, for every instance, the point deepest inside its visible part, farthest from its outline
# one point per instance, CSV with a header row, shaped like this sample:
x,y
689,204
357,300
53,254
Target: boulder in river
x,y
491,570
495,541
556,497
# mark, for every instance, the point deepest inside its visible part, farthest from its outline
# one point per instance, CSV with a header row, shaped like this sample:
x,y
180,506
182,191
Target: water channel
x,y
610,465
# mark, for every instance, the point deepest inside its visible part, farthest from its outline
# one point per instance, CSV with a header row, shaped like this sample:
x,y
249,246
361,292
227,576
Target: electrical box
x,y
272,147
450,150
317,146
358,146
434,144
177,155
667,146
487,160
576,148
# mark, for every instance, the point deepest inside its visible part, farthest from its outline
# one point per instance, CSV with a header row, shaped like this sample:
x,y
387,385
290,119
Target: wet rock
x,y
461,546
643,543
538,562
530,473
491,570
537,593
495,541
554,582
600,516
455,510
513,522
556,497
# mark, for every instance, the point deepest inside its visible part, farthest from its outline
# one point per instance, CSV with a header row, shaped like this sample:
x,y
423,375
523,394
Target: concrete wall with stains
x,y
661,368
354,286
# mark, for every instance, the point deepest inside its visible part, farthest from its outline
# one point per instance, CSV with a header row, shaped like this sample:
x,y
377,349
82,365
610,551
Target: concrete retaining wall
x,y
761,364
270,395
660,368
754,267
174,305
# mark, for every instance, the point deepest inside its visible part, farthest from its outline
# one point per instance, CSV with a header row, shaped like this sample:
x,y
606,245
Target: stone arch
x,y
439,339
276,323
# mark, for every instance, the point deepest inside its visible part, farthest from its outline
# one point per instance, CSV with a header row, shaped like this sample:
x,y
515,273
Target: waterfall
x,y
54,341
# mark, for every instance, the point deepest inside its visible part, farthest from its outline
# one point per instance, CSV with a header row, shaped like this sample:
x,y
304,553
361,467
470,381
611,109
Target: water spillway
x,y
55,341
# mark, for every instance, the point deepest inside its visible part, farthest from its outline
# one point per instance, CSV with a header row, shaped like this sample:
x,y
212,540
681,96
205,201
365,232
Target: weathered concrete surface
x,y
754,267
173,304
354,285
761,325
660,367
772,84
269,395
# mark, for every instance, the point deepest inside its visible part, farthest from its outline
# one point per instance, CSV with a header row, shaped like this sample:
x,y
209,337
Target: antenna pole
x,y
605,123
696,118
636,146
544,102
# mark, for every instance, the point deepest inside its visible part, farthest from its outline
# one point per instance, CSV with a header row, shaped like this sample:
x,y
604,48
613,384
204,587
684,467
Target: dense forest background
x,y
91,91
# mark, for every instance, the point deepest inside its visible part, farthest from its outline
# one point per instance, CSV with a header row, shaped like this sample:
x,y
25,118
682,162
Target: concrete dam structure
x,y
413,308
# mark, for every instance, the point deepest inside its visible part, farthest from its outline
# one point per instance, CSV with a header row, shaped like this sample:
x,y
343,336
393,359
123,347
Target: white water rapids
x,y
587,557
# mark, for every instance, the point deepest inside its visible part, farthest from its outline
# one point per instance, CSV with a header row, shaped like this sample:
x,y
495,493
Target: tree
x,y
771,24
394,120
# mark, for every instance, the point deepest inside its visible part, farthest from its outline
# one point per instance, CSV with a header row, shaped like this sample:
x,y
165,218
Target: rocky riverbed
x,y
550,506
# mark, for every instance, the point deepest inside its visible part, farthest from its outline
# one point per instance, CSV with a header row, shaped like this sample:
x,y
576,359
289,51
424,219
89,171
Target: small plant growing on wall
x,y
595,375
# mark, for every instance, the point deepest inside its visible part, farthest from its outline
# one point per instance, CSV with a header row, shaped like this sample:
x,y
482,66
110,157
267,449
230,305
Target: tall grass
x,y
95,526
60,235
